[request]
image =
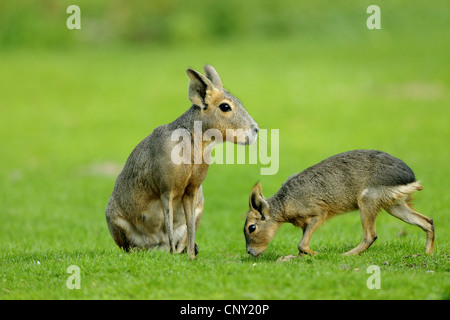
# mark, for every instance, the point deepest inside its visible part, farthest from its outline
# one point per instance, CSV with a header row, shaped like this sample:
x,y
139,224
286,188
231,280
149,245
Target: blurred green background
x,y
74,103
30,23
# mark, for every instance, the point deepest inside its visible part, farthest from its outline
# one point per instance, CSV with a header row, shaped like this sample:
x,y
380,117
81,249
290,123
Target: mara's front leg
x,y
308,230
167,205
189,205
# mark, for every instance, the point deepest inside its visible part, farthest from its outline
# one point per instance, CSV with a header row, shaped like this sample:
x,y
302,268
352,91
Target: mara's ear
x,y
198,87
257,201
212,75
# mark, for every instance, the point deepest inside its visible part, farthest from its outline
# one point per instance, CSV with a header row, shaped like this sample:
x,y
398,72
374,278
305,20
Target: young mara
x,y
367,180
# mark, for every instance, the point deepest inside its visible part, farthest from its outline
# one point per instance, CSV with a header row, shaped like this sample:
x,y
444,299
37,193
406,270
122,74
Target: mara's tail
x,y
403,192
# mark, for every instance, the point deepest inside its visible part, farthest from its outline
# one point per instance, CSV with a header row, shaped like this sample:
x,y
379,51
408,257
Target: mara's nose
x,y
255,129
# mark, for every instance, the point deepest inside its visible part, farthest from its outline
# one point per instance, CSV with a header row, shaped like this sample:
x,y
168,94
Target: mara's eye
x,y
225,107
251,228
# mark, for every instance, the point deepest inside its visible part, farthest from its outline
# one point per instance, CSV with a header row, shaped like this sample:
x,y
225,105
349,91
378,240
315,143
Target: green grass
x,y
69,120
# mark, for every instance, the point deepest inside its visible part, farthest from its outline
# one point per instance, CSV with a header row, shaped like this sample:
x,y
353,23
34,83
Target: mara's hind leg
x,y
368,218
369,208
402,210
119,233
117,226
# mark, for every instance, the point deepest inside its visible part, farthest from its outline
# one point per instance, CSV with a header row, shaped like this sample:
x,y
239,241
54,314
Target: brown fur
x,y
367,180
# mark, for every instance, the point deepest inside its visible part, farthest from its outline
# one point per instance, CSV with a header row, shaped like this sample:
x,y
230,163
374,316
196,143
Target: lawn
x,y
70,118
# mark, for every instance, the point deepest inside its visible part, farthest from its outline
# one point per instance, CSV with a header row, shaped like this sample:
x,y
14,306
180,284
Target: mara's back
x,y
340,179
